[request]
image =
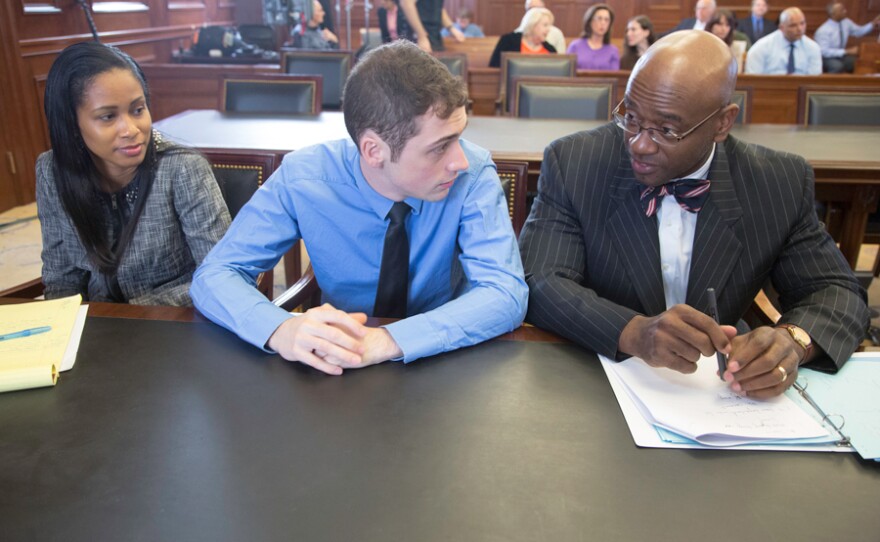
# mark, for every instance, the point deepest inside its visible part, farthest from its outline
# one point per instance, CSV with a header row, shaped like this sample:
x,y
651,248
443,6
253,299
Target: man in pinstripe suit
x,y
608,276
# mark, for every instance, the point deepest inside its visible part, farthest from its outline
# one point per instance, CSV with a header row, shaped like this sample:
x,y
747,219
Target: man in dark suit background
x,y
756,26
703,11
622,273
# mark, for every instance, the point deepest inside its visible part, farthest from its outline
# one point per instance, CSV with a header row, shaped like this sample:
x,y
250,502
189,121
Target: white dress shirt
x,y
676,233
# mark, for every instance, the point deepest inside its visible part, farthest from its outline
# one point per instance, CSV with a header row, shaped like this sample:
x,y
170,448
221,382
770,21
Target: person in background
x,y
636,219
833,35
787,50
532,39
311,35
464,23
392,22
593,49
639,36
426,18
554,36
404,219
126,217
703,11
756,26
723,24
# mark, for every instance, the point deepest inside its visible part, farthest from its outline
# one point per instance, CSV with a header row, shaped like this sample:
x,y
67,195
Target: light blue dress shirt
x,y
828,36
769,56
466,275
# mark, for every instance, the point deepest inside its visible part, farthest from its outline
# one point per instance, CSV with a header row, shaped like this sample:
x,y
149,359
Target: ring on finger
x,y
784,373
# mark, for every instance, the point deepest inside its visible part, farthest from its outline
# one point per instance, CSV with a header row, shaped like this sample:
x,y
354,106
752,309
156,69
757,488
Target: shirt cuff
x,y
415,337
266,318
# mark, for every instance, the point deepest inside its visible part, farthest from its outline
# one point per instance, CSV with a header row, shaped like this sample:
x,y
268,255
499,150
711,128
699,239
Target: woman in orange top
x,y
529,38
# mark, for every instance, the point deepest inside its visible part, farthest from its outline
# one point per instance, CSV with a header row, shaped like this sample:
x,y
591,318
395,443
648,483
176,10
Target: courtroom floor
x,y
20,246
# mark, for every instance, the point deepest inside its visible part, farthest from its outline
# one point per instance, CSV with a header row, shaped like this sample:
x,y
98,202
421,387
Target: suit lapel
x,y
635,237
716,247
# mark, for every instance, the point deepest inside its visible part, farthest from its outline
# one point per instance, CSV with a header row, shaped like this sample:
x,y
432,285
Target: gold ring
x,y
784,372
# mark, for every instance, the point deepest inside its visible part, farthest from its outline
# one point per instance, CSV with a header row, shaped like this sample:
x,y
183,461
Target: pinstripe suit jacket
x,y
592,257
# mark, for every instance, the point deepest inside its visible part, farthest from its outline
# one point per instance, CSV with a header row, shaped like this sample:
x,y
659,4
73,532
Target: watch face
x,y
800,335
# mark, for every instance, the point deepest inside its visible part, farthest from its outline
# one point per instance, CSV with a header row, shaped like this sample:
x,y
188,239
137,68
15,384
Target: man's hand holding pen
x,y
762,363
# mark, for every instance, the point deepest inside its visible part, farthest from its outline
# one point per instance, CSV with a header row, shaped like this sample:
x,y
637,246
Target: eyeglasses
x,y
660,136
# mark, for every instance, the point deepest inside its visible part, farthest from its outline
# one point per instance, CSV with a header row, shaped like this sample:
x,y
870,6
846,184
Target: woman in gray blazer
x,y
126,217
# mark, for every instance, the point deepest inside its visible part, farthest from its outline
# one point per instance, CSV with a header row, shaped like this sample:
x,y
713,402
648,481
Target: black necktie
x,y
842,38
790,68
759,27
690,194
394,272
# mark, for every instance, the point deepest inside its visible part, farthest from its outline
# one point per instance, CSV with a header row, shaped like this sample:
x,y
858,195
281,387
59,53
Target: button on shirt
x,y
319,194
769,56
828,36
676,234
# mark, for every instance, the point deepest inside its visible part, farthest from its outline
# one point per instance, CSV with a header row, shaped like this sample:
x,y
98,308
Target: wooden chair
x,y
838,105
240,174
272,93
515,65
842,105
584,98
457,63
742,96
333,66
306,292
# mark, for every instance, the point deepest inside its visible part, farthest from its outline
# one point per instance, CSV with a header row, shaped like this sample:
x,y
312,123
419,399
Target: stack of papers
x,y
34,361
667,409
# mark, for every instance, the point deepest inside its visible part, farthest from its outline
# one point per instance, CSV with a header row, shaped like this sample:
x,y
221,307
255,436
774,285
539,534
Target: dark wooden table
x,y
177,430
846,159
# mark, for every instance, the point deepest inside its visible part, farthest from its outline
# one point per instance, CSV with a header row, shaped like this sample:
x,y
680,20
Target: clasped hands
x,y
331,340
678,337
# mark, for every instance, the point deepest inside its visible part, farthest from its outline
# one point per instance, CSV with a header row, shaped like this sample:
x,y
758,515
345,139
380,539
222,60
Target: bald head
x,y
691,61
793,24
679,92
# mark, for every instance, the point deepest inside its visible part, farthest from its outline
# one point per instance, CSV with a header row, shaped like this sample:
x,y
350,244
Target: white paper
x,y
75,335
702,408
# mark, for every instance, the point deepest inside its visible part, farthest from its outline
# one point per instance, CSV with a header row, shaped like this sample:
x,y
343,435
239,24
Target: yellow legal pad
x,y
34,362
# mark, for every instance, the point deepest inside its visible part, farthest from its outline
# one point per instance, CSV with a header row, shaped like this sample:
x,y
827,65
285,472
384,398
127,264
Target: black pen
x,y
713,312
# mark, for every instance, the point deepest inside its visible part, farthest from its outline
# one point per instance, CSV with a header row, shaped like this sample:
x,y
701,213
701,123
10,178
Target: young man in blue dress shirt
x,y
405,114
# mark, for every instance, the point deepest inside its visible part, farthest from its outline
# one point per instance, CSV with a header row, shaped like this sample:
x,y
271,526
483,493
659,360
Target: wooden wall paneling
x,y
21,141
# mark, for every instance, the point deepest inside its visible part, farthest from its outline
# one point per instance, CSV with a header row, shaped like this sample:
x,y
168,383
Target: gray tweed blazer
x,y
183,218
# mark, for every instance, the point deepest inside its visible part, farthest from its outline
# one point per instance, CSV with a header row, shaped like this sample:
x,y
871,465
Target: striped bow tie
x,y
690,194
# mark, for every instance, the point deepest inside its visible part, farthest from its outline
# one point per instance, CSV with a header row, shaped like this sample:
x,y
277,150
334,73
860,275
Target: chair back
x,y
838,105
261,35
333,66
456,63
240,173
742,96
370,39
583,98
514,181
272,93
515,65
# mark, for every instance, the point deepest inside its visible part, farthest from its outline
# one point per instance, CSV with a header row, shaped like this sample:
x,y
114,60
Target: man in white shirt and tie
x,y
833,35
787,50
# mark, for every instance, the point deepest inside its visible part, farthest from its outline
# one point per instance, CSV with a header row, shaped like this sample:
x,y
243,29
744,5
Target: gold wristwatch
x,y
801,337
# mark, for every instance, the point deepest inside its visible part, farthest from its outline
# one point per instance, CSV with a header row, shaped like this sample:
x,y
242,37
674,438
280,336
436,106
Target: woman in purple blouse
x,y
593,49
